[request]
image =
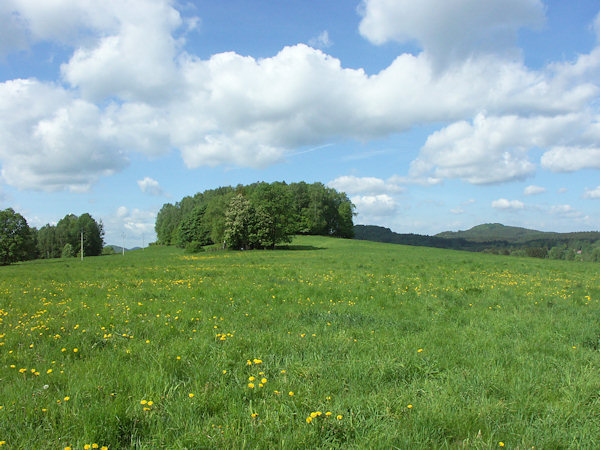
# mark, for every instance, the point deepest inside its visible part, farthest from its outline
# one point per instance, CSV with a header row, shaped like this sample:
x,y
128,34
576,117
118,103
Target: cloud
x,y
322,41
51,140
364,185
570,159
503,203
534,190
368,206
566,211
495,149
150,186
130,86
450,31
592,193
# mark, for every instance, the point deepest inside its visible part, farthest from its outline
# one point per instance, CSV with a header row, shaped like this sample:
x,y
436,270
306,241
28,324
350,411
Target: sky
x,y
432,115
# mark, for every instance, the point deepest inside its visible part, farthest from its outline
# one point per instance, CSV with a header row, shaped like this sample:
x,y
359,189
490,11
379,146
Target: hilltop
x,y
497,232
496,238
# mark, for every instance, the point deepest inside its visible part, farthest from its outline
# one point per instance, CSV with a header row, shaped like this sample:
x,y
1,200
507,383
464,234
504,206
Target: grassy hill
x,y
329,343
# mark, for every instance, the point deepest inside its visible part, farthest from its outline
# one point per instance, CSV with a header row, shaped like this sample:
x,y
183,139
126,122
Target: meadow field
x,y
329,343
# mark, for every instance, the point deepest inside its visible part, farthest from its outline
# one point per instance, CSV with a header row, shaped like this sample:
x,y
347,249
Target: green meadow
x,y
327,343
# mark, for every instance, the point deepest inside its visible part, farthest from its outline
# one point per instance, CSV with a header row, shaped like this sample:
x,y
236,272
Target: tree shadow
x,y
298,247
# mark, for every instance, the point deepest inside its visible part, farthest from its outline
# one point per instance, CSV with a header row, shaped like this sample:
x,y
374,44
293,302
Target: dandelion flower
x,y
190,395
75,350
66,399
420,350
251,385
143,402
339,417
309,419
291,394
313,414
500,444
251,378
409,406
328,413
263,381
150,403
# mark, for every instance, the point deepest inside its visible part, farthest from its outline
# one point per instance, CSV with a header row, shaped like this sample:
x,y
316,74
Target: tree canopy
x,y
52,239
16,238
260,215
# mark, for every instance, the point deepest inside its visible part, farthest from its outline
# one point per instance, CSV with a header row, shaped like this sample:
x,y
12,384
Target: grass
x,y
405,347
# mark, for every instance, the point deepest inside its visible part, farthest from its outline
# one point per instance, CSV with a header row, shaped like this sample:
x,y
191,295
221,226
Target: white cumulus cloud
x,y
150,186
503,203
322,41
368,206
450,30
592,193
534,190
364,185
129,85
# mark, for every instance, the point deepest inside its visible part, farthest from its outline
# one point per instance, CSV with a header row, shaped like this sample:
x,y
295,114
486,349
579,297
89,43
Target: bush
x,y
194,247
67,251
108,250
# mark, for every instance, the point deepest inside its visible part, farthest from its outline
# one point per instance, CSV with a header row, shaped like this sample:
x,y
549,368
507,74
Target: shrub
x,y
194,247
67,251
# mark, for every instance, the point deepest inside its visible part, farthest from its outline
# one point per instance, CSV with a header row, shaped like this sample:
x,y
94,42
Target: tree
x,y
167,221
67,251
274,205
238,218
16,238
47,242
194,229
93,235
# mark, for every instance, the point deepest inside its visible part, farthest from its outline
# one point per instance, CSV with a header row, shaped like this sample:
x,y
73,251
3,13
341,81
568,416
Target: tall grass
x,y
386,346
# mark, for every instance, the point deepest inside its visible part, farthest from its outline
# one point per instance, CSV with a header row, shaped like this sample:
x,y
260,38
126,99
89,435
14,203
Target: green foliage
x,y
51,240
68,251
239,223
16,238
194,247
108,250
193,228
582,246
276,212
484,349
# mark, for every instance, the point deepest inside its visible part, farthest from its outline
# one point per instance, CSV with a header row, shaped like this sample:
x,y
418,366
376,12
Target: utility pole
x,y
123,247
82,245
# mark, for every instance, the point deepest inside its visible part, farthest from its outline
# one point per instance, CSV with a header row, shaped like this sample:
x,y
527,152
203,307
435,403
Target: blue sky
x,y
432,115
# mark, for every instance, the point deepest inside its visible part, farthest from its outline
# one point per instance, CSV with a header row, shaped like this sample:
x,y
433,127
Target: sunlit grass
x,y
331,343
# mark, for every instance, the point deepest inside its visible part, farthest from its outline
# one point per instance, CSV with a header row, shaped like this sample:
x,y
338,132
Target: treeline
x,y
19,242
260,215
584,246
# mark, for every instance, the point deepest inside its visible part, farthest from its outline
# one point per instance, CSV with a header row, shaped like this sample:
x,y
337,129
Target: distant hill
x,y
497,238
382,234
119,249
497,232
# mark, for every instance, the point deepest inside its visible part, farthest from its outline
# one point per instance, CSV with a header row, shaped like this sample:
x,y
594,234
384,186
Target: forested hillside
x,y
497,238
259,215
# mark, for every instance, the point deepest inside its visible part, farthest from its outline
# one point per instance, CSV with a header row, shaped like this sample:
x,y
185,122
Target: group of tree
x,y
497,239
19,242
260,215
